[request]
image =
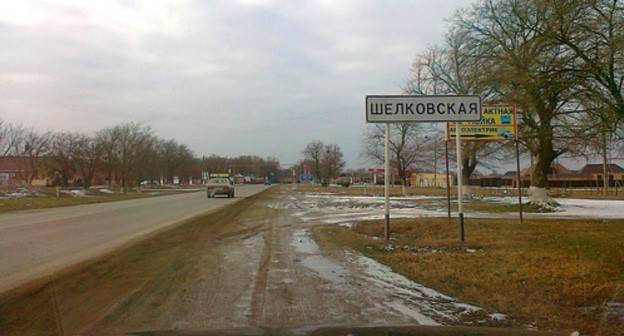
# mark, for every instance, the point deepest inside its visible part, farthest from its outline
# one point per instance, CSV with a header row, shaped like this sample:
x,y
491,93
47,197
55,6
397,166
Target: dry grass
x,y
477,191
371,190
588,193
49,199
557,274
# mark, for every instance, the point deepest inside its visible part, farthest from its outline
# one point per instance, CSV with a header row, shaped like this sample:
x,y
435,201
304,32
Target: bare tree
x,y
9,138
456,67
174,157
31,147
333,162
61,155
313,155
530,72
592,31
125,149
408,147
325,161
107,140
88,158
215,164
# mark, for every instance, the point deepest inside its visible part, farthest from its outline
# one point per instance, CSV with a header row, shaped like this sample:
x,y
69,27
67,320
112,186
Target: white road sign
x,y
402,108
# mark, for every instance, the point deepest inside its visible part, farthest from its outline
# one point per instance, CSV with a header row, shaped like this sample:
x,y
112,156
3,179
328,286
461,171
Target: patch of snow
x,y
419,300
76,193
585,208
17,194
497,316
106,191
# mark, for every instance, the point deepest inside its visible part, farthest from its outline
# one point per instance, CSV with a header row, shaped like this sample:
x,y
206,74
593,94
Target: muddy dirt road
x,y
252,264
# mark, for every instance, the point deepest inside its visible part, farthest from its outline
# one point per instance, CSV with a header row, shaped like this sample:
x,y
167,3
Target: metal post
x,y
519,177
448,181
460,195
435,164
387,181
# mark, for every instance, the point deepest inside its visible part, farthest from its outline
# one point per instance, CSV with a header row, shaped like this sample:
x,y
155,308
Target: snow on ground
x,y
21,193
76,193
584,208
411,298
393,291
328,208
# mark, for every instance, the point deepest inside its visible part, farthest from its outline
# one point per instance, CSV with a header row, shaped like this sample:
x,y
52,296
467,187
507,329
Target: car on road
x,y
220,186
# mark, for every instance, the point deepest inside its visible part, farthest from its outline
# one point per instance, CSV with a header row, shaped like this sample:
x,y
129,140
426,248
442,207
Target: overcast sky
x,y
225,77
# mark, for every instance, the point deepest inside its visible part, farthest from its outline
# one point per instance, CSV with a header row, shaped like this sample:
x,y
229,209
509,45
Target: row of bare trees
x,y
252,166
561,62
126,154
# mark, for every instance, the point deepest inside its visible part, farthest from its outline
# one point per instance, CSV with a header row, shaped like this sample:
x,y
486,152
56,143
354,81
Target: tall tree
x,y
174,157
333,162
530,72
61,157
125,149
107,140
88,158
313,155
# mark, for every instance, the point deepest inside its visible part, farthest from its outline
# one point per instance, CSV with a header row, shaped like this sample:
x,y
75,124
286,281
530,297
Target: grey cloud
x,y
221,77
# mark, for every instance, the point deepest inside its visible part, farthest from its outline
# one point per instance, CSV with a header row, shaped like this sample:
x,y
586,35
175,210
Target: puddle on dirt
x,y
311,258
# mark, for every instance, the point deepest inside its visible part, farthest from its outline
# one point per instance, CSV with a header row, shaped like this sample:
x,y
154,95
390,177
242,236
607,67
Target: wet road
x,y
36,243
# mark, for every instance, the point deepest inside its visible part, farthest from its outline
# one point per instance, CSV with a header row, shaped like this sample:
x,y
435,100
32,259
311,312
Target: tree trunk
x,y
538,194
605,172
469,165
87,182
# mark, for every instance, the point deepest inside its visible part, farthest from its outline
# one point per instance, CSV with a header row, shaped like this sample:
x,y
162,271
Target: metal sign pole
x,y
460,195
448,182
519,176
387,181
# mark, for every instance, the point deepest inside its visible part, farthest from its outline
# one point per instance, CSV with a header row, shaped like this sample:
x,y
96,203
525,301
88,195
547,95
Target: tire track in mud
x,y
257,317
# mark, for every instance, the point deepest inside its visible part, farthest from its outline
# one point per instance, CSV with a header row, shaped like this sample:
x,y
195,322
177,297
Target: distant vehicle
x,y
148,182
220,186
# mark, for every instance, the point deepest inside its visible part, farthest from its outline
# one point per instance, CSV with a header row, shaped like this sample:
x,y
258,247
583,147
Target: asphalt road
x,y
37,243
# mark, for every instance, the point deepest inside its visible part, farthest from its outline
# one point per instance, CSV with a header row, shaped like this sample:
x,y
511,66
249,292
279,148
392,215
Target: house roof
x,y
13,164
596,168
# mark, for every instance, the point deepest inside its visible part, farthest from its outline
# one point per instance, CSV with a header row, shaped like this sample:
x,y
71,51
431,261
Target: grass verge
x,y
559,275
49,200
477,191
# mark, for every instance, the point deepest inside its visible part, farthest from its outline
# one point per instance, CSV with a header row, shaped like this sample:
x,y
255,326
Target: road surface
x,y
36,243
